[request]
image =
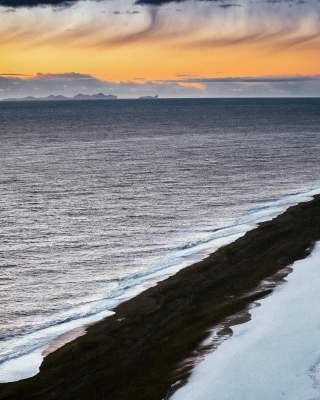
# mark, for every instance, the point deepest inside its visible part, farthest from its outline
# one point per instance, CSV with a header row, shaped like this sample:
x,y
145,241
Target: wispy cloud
x,y
195,24
257,79
14,75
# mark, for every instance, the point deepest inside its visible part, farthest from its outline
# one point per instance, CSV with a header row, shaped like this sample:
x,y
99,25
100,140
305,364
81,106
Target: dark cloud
x,y
61,3
223,3
72,83
35,3
263,86
157,2
69,84
57,3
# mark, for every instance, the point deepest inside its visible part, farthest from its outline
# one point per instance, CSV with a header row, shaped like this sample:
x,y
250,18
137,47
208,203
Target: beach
x,y
276,354
139,352
99,208
159,200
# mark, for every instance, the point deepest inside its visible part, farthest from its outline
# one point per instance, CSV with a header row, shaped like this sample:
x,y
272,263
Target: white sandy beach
x,y
274,356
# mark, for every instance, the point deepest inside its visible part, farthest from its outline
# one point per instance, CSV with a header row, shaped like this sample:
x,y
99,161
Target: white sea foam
x,y
276,355
26,352
27,364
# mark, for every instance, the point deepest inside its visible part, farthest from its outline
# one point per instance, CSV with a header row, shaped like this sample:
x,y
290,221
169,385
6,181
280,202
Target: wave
x,y
25,352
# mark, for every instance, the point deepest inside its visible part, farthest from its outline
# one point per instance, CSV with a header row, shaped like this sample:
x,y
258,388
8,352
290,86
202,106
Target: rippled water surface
x,y
97,197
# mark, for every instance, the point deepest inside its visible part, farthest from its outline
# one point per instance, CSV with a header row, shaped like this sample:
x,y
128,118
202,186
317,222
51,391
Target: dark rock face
x,y
135,354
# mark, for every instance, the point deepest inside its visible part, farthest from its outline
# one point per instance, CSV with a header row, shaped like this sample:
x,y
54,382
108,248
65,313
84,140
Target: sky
x,y
191,48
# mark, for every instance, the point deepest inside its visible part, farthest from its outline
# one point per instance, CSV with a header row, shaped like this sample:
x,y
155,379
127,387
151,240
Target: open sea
x,y
101,199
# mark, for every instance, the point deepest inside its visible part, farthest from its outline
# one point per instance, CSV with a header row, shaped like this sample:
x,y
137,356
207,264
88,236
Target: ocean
x,y
101,199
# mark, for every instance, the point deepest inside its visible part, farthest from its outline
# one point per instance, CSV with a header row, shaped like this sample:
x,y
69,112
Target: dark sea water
x,y
99,200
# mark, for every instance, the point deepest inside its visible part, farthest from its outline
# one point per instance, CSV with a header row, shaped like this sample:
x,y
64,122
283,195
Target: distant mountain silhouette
x,y
80,96
149,97
98,96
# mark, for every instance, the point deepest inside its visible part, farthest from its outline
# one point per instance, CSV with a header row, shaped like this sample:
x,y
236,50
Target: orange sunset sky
x,y
180,43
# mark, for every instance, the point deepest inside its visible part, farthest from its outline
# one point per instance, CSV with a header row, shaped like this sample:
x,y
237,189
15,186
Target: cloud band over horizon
x,y
69,84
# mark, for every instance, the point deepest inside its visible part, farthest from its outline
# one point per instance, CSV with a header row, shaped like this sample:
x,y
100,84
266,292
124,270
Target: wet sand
x,y
60,341
138,352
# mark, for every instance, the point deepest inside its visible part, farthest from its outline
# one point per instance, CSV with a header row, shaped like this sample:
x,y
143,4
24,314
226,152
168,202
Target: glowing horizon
x,y
122,41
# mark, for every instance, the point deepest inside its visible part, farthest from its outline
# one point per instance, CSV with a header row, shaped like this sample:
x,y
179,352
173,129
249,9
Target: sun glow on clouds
x,y
195,85
120,40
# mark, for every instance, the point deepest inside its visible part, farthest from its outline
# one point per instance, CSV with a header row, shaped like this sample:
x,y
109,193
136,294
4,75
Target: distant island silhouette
x,y
80,96
149,97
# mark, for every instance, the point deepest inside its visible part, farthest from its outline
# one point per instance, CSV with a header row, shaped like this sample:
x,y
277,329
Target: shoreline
x,y
275,353
136,352
27,363
224,330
